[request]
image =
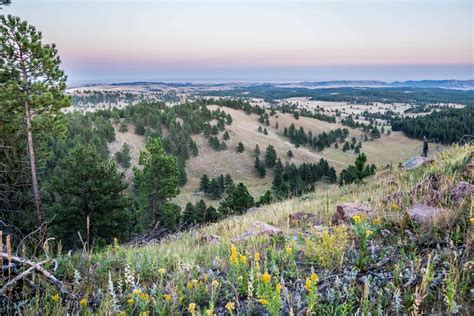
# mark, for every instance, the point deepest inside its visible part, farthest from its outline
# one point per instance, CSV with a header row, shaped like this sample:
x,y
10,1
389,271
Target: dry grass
x,y
387,150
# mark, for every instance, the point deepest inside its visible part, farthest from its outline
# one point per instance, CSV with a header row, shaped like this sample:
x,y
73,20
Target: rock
x,y
302,219
462,190
209,239
433,197
259,229
345,212
427,215
416,162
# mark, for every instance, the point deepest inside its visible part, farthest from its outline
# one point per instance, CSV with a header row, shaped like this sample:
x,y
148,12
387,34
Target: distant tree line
x,y
445,126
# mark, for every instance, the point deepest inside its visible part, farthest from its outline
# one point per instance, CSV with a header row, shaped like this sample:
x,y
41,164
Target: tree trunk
x,y
153,211
32,156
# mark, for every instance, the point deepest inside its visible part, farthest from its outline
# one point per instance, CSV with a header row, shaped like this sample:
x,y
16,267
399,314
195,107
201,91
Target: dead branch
x,y
21,276
43,271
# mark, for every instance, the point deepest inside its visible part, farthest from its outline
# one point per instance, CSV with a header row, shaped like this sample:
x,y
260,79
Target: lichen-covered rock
x,y
345,211
416,162
461,191
259,229
427,215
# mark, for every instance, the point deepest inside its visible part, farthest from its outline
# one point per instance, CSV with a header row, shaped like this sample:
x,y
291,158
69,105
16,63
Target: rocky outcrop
x,y
461,191
345,212
259,229
427,215
416,162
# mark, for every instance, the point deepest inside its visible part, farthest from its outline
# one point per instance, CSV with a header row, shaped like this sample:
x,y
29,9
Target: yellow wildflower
x,y
215,283
122,313
145,297
233,256
314,277
356,218
263,301
167,297
376,221
130,301
209,312
161,271
230,306
136,291
55,297
83,301
191,307
257,256
206,277
471,220
266,277
368,233
289,250
278,288
308,285
395,207
243,259
190,285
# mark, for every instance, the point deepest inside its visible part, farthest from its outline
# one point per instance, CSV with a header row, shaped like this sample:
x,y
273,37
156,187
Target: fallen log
x,y
37,267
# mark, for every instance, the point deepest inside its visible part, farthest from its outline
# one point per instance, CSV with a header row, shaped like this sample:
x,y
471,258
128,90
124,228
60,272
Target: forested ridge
x,y
446,126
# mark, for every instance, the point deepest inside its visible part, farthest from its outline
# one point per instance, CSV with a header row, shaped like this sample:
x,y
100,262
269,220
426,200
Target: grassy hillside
x,y
385,264
392,148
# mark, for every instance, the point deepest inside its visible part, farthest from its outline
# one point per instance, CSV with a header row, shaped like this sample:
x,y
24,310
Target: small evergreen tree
x,y
157,182
204,183
240,147
87,185
270,156
123,156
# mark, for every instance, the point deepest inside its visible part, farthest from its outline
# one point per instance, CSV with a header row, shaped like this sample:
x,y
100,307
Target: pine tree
x,y
238,200
123,156
240,147
226,136
194,148
270,156
228,180
289,154
201,212
215,189
157,183
266,198
189,215
211,214
35,85
87,187
204,184
257,150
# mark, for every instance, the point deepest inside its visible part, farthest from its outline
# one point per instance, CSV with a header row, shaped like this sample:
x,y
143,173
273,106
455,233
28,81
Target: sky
x,y
258,40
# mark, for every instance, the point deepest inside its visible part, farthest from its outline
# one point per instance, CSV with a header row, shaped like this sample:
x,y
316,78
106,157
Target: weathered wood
x,y
21,276
43,271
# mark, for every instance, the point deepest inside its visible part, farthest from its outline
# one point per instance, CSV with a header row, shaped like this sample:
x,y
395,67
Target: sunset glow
x,y
164,40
